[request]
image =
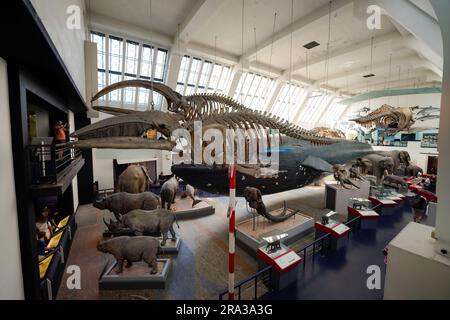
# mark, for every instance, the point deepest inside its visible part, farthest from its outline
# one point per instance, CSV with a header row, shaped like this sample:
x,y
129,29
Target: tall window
x,y
121,59
332,114
199,76
288,100
254,90
313,108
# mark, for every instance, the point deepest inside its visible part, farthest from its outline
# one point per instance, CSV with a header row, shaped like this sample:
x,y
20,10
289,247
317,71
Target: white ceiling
x,y
166,14
220,20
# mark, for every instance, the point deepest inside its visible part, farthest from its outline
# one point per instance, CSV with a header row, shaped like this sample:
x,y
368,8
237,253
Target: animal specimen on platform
x,y
253,197
146,222
301,156
134,179
413,171
132,249
190,192
123,202
169,192
395,181
341,175
274,242
379,164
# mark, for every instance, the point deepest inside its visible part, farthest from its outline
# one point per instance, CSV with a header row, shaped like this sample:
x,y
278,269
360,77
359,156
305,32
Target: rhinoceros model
x,y
142,221
132,249
395,181
413,171
134,179
168,192
123,202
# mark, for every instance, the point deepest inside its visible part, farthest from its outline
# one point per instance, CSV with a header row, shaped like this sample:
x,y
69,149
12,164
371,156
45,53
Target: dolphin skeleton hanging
x,y
302,156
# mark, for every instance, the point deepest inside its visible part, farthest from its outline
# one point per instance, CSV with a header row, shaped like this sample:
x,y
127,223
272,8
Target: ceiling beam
x,y
295,27
414,19
202,11
389,37
414,61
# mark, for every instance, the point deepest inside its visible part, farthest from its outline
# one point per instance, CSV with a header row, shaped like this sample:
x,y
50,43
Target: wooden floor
x,y
200,271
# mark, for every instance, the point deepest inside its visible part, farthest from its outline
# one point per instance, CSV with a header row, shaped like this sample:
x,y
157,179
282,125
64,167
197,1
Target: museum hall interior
x,y
225,150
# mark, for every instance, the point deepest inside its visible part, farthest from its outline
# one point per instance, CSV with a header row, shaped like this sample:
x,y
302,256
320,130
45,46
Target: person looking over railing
x,y
43,224
60,131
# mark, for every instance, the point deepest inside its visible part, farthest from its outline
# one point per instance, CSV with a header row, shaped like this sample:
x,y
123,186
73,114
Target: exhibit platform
x,y
285,263
137,277
250,233
183,209
384,206
339,233
337,197
414,270
368,219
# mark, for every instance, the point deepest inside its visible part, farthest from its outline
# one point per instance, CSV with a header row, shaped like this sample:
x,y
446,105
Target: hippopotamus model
x,y
141,221
168,192
413,171
395,181
134,179
123,202
190,191
132,249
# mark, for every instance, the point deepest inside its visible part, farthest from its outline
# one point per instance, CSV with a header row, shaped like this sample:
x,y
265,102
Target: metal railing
x,y
319,245
50,162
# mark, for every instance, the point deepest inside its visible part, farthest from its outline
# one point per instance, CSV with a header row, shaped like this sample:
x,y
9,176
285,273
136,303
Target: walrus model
x,y
168,192
132,249
134,179
123,202
190,192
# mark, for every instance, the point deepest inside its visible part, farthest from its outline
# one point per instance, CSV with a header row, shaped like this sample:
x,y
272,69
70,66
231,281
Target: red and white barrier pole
x,y
231,240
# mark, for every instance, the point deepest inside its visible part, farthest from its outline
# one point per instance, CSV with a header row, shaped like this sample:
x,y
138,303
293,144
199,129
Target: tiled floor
x,y
343,274
200,271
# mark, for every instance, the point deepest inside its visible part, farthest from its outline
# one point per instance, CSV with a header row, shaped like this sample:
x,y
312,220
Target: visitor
x,y
60,131
42,247
419,207
43,224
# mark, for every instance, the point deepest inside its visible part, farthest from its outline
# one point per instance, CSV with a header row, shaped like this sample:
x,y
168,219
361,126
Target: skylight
x,y
254,90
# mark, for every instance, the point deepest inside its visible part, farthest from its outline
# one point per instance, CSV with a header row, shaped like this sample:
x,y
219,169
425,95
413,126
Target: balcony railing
x,y
49,163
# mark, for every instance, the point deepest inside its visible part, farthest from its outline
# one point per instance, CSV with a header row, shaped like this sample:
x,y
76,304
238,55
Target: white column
x,y
278,85
235,81
302,103
174,68
442,246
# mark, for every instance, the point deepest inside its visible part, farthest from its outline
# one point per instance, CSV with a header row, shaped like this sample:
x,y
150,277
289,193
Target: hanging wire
x,y
273,36
152,103
215,60
242,47
389,77
328,44
290,59
371,69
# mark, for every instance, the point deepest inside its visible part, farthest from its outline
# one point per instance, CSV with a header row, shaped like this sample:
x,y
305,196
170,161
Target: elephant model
x,y
413,171
379,165
132,249
168,192
253,197
400,158
141,221
364,164
134,179
123,202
